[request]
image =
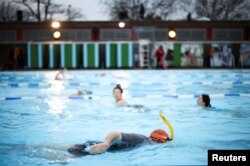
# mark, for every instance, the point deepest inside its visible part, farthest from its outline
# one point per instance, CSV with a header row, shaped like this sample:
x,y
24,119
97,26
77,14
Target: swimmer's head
x,y
204,100
118,86
159,135
117,92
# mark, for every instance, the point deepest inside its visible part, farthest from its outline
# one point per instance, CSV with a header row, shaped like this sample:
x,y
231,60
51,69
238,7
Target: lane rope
x,y
192,96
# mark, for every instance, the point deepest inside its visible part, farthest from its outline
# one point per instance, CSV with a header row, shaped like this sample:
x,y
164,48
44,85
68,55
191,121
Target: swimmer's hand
x,y
98,148
88,149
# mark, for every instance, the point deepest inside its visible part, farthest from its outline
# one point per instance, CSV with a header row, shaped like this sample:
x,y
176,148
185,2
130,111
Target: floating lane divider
x,y
47,97
188,75
90,97
193,95
33,85
15,84
21,78
30,85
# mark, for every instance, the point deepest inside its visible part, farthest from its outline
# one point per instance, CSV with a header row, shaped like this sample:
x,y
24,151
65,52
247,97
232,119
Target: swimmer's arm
x,y
78,93
102,147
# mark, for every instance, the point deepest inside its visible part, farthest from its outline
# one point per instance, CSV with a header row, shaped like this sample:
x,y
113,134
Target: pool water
x,y
39,118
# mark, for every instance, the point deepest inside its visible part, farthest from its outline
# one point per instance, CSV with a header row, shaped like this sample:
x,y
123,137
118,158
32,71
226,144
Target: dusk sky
x,y
91,9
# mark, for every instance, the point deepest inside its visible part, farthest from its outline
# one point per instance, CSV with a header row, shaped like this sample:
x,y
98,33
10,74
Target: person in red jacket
x,y
160,58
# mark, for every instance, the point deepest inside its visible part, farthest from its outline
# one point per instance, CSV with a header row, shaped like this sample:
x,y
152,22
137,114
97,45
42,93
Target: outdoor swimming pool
x,y
37,114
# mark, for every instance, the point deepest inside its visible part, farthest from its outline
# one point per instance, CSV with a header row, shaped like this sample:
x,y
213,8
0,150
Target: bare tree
x,y
129,8
6,11
181,9
162,8
73,13
155,9
223,9
43,10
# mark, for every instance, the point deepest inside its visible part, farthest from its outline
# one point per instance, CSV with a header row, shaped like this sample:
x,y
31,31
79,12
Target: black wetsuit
x,y
128,140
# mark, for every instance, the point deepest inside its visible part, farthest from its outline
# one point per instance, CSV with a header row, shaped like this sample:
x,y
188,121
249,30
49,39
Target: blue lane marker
x,y
94,83
171,96
193,75
41,97
224,75
237,82
197,83
13,98
74,84
13,84
12,78
196,96
135,84
75,97
217,82
138,95
156,83
232,94
33,85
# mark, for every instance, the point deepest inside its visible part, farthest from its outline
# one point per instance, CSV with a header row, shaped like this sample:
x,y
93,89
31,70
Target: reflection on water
x,y
56,105
56,154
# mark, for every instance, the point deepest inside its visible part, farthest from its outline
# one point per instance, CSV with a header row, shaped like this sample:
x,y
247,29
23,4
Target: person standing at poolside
x,y
117,93
204,100
160,58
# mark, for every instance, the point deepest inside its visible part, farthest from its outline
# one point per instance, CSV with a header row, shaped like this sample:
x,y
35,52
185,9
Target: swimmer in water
x,y
60,75
204,100
117,93
115,141
63,75
82,91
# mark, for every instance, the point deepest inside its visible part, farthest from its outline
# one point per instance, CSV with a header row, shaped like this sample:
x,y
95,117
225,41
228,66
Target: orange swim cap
x,y
159,135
